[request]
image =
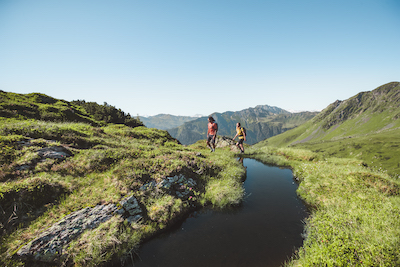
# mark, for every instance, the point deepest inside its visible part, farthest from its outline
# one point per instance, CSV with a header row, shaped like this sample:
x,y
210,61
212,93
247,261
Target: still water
x,y
263,231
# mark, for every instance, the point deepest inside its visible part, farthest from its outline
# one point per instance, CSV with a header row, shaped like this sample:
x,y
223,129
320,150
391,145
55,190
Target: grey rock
x,y
54,152
24,167
25,142
224,141
134,219
150,185
177,185
191,182
129,205
49,245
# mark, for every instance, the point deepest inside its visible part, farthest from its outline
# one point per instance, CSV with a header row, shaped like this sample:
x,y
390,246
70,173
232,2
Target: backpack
x,y
244,130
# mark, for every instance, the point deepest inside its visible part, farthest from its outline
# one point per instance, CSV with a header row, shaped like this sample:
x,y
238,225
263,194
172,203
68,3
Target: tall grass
x,y
354,217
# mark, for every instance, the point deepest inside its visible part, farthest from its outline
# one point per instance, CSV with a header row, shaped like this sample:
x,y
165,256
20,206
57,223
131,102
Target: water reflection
x,y
263,231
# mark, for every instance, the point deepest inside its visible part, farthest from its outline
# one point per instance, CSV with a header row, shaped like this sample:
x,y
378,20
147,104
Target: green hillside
x,y
260,122
365,126
83,184
42,107
60,161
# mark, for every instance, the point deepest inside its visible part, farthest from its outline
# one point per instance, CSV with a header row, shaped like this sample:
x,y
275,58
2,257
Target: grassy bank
x,y
355,219
102,165
355,210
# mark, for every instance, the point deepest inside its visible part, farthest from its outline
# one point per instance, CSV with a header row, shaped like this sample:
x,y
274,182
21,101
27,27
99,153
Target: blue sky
x,y
192,57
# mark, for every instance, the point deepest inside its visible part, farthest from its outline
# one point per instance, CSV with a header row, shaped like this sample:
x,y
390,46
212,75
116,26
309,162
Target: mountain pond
x,y
264,230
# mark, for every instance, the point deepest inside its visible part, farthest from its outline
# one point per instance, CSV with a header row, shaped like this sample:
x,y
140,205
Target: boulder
x,y
130,209
176,185
54,152
224,141
49,245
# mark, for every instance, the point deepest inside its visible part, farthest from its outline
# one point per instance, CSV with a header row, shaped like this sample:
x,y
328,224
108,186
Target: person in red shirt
x,y
211,133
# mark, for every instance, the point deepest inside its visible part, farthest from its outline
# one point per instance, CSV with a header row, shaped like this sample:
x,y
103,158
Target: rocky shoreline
x,y
50,245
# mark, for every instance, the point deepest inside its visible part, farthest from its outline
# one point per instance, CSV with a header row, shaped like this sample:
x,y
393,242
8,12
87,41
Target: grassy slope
x,y
107,163
355,211
43,107
364,127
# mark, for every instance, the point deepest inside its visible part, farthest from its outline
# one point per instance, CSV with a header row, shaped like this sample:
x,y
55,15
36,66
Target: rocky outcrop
x,y
49,245
177,185
224,141
50,152
54,152
130,209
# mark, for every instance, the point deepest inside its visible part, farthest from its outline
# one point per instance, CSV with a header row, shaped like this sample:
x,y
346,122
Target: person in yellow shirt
x,y
241,132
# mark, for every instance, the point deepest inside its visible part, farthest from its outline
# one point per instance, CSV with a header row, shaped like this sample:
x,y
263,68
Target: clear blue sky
x,y
192,57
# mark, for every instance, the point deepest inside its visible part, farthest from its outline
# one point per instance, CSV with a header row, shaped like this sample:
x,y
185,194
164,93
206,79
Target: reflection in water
x,y
263,231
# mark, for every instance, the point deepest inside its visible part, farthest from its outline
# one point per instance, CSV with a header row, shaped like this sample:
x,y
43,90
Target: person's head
x,y
210,119
238,125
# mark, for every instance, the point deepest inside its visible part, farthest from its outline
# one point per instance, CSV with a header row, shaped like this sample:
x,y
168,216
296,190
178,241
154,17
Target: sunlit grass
x,y
107,164
355,211
227,187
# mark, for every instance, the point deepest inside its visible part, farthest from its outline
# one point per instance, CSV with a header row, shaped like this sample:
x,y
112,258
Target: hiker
x,y
211,133
241,132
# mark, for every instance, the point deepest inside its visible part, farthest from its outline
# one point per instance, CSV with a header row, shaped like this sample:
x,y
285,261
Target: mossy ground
x,y
106,164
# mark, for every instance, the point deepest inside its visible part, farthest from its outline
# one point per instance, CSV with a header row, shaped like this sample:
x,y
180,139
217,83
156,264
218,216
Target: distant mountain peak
x,y
365,113
260,122
383,98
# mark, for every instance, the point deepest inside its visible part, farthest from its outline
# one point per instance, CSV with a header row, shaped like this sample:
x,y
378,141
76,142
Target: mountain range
x,y
365,126
260,122
165,121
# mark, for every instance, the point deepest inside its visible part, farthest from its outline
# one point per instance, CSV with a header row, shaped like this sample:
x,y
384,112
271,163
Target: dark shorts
x,y
240,141
210,139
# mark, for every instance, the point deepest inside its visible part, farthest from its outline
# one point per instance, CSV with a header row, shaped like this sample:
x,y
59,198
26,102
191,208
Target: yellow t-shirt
x,y
240,133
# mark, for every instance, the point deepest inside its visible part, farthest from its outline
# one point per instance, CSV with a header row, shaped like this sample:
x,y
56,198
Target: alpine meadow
x,y
84,184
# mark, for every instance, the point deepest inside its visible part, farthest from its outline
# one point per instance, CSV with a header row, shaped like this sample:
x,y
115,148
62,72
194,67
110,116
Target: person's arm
x,y
244,135
235,136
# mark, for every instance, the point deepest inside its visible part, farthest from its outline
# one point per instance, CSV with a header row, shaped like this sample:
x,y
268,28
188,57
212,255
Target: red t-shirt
x,y
212,128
